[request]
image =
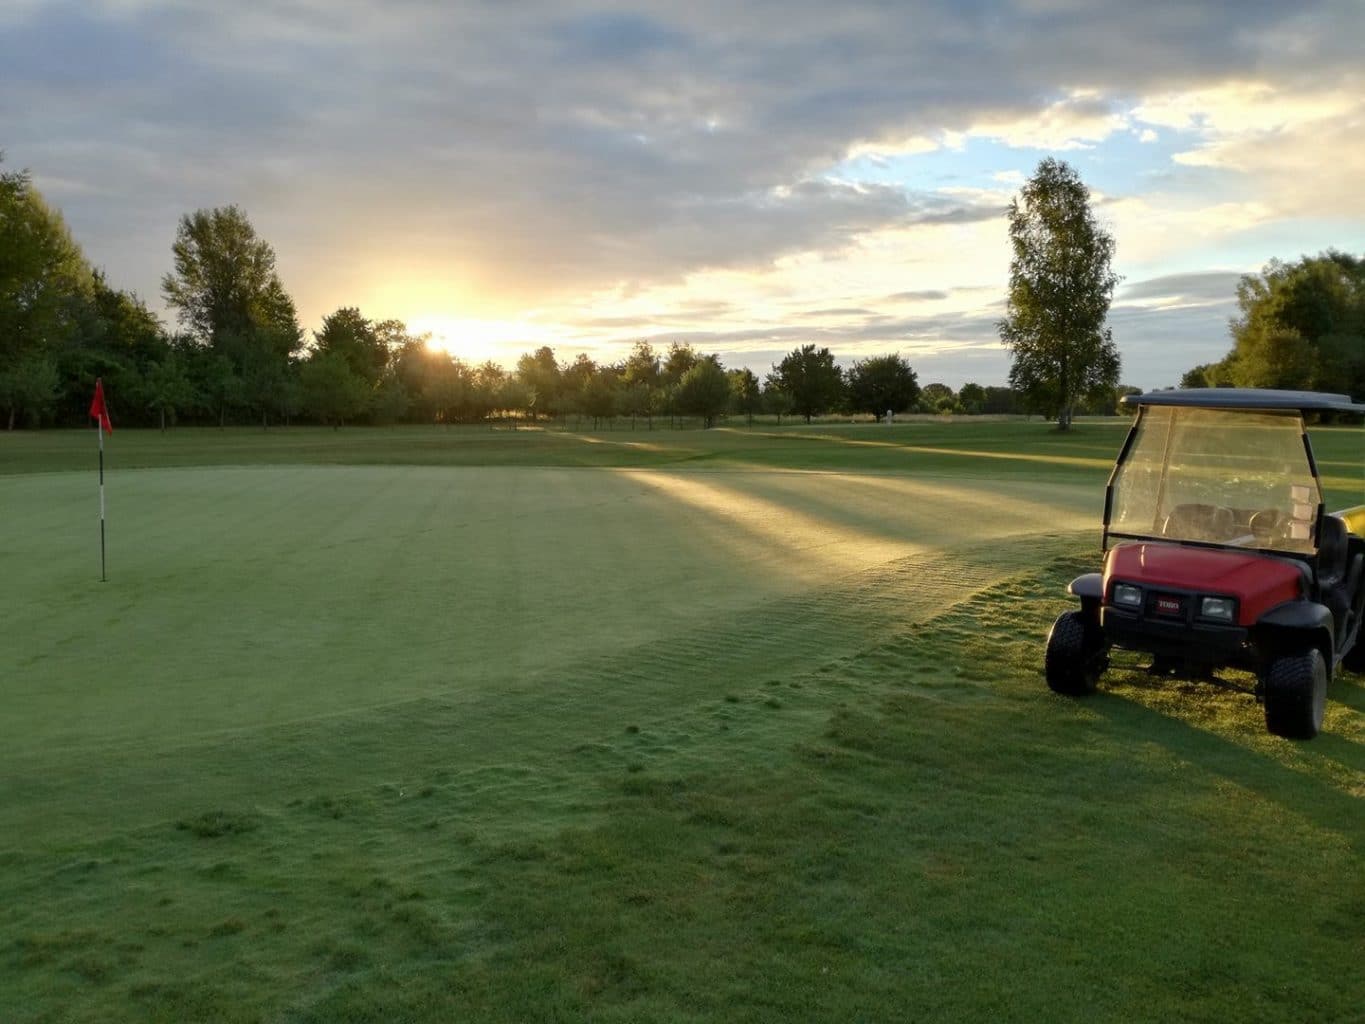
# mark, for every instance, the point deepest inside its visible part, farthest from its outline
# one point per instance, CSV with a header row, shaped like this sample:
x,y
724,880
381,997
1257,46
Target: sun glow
x,y
477,340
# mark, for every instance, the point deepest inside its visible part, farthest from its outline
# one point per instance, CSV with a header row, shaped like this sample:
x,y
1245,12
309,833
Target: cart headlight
x,y
1127,595
1219,608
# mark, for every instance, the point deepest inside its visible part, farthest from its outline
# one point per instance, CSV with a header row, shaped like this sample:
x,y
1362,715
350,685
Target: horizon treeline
x,y
240,355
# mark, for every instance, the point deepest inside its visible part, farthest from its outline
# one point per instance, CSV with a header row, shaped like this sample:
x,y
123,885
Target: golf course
x,y
746,724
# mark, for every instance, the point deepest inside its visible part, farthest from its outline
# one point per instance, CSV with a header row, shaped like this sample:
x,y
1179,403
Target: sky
x,y
744,176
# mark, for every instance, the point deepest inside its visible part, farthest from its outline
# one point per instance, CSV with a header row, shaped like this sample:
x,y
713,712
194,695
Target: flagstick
x,y
99,429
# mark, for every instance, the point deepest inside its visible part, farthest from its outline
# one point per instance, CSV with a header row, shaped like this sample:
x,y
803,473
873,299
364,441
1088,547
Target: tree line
x,y
1300,326
239,354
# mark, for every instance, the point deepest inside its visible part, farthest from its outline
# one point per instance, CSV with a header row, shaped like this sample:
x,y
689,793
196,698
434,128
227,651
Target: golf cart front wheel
x,y
1296,694
1075,656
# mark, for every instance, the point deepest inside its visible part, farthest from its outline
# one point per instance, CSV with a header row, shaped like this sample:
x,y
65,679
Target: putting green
x,y
241,599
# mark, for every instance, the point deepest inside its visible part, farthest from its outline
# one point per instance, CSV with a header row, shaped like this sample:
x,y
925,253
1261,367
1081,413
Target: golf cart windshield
x,y
1217,476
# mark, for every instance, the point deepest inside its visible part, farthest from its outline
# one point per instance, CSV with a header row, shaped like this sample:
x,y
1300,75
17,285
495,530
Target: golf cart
x,y
1218,551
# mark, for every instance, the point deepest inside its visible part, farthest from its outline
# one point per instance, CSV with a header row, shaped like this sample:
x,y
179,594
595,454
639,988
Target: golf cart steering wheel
x,y
1265,525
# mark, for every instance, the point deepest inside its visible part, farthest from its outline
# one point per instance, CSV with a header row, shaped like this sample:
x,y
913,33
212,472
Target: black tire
x,y
1076,655
1296,694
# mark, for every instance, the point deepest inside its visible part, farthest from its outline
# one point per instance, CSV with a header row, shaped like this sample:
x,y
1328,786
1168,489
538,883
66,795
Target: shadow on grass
x,y
1303,791
1349,691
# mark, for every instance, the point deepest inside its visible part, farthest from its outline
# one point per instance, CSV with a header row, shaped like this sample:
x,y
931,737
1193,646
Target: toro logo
x,y
1167,605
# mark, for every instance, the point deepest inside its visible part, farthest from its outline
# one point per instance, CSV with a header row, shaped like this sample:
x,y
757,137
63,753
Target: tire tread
x,y
1290,682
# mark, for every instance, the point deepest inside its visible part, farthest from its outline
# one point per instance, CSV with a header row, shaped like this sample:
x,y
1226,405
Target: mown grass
x,y
901,446
959,447
810,773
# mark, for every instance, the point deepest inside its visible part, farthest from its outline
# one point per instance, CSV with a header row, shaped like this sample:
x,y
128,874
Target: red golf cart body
x,y
1219,551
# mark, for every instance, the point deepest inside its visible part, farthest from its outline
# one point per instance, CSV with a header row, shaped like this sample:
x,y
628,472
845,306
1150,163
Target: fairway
x,y
638,725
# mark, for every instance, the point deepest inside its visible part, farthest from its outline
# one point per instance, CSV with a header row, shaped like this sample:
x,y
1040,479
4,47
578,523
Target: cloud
x,y
842,313
1294,145
616,35
1212,286
1159,344
1239,107
417,157
1077,121
927,295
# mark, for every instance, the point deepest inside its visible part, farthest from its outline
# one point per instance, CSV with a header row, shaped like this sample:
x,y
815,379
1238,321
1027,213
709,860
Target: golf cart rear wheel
x,y
1075,655
1296,694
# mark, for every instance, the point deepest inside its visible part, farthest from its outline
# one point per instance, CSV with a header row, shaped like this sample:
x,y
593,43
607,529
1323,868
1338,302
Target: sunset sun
x,y
475,340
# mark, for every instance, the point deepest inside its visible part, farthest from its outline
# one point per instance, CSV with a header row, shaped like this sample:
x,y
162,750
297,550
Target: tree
x,y
266,378
1107,403
125,327
29,386
485,390
746,393
445,385
540,374
938,397
223,274
1205,375
576,378
167,388
1000,401
972,399
216,386
113,336
391,400
776,400
881,383
812,380
704,391
412,363
332,391
1301,325
640,382
1060,288
45,295
679,359
356,340
515,396
601,394
226,292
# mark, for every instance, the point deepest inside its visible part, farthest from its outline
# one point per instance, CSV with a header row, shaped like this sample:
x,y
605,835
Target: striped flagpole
x,y
99,429
99,412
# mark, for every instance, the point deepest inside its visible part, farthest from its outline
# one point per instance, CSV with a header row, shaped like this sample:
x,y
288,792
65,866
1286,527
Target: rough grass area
x,y
739,740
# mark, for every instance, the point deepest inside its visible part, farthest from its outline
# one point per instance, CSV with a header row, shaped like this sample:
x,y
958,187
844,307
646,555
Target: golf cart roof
x,y
1247,398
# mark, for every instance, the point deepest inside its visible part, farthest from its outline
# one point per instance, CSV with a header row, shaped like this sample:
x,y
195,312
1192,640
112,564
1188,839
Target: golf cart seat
x,y
1339,574
1211,523
1332,549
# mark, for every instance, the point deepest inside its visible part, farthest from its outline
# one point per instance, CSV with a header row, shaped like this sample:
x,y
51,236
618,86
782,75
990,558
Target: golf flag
x,y
99,411
97,408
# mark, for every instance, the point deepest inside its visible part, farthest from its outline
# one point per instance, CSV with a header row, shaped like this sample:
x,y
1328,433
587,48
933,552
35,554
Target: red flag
x,y
97,407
